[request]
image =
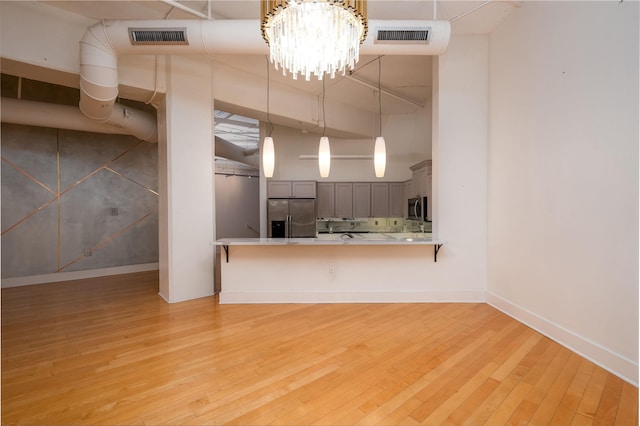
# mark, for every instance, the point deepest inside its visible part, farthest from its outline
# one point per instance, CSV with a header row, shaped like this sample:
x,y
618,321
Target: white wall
x,y
237,207
398,273
459,180
563,175
407,137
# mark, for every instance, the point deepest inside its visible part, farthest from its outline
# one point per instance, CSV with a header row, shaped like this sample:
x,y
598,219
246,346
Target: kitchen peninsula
x,y
336,266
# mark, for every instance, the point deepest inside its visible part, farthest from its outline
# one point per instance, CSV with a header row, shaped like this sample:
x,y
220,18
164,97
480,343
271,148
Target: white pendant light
x,y
268,151
324,151
268,157
324,157
379,149
379,157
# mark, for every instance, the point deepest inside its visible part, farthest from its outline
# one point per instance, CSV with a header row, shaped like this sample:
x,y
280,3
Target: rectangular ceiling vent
x,y
158,36
403,35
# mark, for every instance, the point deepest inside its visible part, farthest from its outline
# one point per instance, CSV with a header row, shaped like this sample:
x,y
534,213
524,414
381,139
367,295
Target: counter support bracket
x,y
436,249
226,251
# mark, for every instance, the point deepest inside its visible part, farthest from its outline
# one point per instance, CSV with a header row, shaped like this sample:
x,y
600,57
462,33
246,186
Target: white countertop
x,y
403,238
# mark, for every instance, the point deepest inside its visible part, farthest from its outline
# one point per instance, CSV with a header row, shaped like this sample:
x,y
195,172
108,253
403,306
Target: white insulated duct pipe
x,y
230,151
105,41
56,116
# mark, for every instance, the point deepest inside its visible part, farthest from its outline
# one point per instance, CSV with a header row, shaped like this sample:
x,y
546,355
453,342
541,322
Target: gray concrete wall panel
x,y
31,248
82,153
32,149
98,210
21,196
140,165
107,213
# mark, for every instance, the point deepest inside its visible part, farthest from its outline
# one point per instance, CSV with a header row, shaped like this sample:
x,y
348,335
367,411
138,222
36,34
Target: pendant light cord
x,y
379,96
324,117
270,129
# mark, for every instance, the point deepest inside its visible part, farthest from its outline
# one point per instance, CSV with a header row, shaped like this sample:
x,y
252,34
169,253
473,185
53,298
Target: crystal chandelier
x,y
314,36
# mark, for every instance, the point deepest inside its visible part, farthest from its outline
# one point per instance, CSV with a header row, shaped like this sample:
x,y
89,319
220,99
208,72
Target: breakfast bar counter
x,y
366,239
332,268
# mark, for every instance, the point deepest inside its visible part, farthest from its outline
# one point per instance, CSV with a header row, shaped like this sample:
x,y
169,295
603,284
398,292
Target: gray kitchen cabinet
x,y
278,189
343,199
380,199
421,181
407,193
291,189
325,192
396,199
303,189
361,200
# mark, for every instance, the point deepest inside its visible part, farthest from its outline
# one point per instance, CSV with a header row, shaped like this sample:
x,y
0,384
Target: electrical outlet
x,y
332,268
87,252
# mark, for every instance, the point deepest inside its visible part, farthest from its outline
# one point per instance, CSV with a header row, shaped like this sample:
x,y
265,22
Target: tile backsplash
x,y
372,224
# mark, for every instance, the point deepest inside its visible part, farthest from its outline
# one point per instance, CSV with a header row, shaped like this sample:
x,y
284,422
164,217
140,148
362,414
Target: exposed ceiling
x,y
406,80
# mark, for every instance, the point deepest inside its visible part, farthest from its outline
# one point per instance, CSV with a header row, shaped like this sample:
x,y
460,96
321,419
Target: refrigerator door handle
x,y
288,226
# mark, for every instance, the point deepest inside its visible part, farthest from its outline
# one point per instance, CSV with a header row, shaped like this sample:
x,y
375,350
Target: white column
x,y
459,179
186,178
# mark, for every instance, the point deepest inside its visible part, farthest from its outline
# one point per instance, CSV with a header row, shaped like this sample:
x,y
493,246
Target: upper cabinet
x,y
421,184
343,200
303,189
326,199
421,179
396,199
288,189
361,200
380,199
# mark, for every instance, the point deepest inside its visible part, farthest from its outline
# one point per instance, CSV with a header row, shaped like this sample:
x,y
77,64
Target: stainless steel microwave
x,y
417,208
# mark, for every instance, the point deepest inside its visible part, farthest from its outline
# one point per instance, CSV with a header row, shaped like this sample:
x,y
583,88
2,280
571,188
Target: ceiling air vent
x,y
158,36
403,35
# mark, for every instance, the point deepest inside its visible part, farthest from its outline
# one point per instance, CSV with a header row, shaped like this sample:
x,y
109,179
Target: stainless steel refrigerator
x,y
291,217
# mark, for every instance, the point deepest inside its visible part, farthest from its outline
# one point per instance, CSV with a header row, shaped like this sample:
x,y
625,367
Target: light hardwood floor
x,y
111,351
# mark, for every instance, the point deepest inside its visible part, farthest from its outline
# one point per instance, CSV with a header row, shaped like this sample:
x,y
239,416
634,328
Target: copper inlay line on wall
x,y
104,166
29,215
109,239
58,194
131,180
28,176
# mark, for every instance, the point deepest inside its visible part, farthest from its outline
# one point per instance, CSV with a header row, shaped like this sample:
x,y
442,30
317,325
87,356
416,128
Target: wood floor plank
x,y
608,405
627,413
109,350
569,403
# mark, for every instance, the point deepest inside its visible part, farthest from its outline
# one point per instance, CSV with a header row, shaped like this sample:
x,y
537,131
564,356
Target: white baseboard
x,y
77,275
352,297
615,363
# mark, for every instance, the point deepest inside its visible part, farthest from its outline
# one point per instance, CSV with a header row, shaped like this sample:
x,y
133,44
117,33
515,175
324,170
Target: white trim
x,y
615,363
353,297
77,275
